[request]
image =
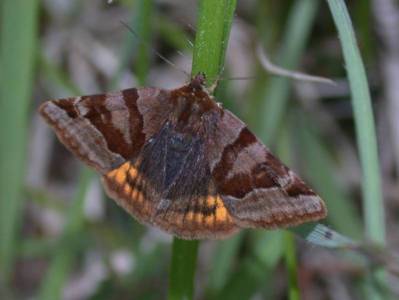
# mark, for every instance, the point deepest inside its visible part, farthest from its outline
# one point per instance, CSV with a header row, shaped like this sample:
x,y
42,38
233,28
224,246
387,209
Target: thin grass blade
x,y
18,39
365,129
364,122
65,254
277,94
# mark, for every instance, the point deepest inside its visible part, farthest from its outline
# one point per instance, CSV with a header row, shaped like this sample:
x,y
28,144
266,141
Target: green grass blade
x,y
56,77
284,149
214,22
246,280
172,34
222,264
255,271
291,265
277,94
364,122
365,129
319,165
144,10
60,266
18,39
138,46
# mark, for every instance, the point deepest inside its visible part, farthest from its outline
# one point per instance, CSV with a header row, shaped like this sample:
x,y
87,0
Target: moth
x,y
177,160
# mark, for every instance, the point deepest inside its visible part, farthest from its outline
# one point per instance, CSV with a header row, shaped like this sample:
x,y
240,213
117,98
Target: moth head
x,y
198,82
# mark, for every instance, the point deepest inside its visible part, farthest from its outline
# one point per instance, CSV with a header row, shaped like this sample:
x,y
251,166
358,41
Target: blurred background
x,y
60,235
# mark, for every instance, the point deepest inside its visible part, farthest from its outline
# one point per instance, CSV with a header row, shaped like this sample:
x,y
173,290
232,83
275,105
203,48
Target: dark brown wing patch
x,y
258,189
103,130
106,130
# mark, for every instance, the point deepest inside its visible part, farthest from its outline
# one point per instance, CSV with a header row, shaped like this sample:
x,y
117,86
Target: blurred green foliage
x,y
18,41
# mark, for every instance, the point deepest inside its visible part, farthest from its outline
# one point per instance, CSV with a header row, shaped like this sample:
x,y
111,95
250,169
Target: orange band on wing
x,y
126,180
215,204
119,174
206,213
222,215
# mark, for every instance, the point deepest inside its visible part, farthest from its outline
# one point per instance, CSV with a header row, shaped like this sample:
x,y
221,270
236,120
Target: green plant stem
x,y
184,260
18,39
213,28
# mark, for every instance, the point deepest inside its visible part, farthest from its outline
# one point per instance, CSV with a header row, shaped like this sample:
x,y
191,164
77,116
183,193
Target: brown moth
x,y
177,160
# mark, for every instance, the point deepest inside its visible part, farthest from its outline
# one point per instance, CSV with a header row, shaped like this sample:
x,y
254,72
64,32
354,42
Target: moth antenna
x,y
153,49
212,88
218,78
240,78
190,43
192,29
189,25
279,71
180,53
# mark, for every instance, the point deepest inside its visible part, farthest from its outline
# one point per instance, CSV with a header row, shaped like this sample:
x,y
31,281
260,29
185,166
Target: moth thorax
x,y
187,110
